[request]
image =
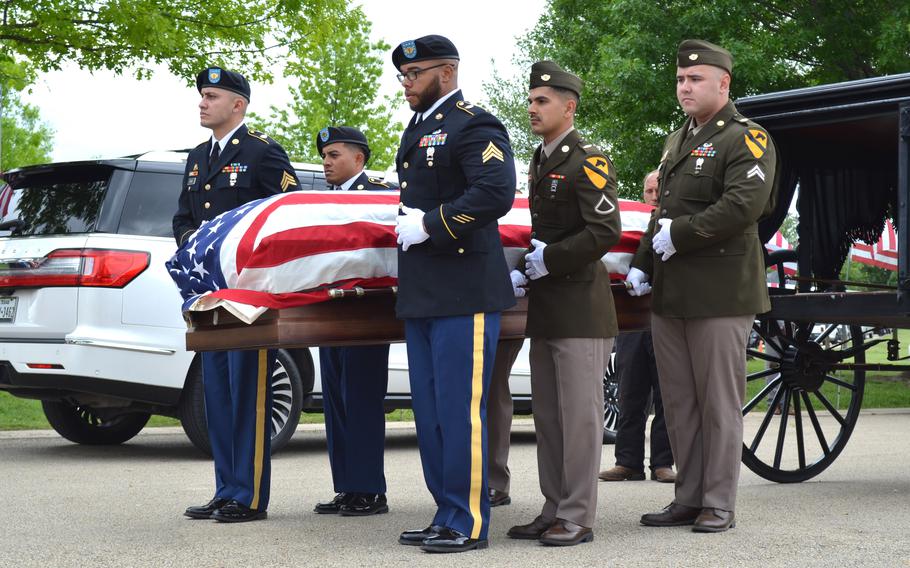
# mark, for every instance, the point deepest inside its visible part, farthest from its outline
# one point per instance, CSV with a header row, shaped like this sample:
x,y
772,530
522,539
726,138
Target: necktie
x,y
543,160
213,157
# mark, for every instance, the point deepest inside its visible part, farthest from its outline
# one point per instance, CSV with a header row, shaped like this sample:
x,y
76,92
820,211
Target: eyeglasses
x,y
414,73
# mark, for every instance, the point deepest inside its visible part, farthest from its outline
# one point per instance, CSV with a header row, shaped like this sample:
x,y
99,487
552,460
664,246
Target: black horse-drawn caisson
x,y
845,154
845,151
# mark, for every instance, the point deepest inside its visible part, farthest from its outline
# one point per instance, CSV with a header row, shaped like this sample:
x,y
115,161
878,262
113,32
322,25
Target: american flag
x,y
290,249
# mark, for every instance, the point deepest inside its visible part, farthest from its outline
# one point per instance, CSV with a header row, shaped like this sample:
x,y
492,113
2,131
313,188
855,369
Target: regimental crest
x,y
597,169
324,134
409,49
214,75
756,142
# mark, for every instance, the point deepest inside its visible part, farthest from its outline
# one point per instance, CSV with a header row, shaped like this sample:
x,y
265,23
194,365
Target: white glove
x,y
518,281
662,242
409,227
638,281
534,265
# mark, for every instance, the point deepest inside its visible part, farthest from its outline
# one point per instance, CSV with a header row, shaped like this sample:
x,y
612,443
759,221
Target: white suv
x,y
90,321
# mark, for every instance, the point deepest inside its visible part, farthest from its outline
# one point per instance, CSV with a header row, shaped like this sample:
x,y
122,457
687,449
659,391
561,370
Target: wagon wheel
x,y
812,411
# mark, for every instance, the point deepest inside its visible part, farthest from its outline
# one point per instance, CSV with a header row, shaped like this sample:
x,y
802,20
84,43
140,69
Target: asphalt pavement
x,y
66,505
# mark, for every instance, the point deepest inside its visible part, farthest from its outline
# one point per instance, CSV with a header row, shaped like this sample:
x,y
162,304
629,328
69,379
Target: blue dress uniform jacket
x,y
354,384
252,166
237,384
457,166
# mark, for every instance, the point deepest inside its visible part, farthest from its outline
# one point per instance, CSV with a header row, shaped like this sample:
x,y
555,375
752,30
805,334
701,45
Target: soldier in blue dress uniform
x,y
457,178
233,167
354,379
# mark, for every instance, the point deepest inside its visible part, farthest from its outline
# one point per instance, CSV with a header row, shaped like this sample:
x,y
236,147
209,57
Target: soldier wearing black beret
x,y
704,259
354,379
234,166
457,178
571,317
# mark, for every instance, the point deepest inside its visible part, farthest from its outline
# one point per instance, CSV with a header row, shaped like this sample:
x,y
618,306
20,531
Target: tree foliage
x,y
625,52
337,83
185,35
27,140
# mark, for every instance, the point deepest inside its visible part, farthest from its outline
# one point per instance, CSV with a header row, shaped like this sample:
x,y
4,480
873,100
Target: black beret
x,y
426,47
700,52
223,79
345,134
549,74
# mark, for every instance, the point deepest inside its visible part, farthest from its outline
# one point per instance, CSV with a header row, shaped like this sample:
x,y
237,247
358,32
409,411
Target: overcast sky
x,y
105,115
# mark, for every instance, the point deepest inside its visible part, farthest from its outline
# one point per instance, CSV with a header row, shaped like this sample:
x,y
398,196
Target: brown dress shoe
x,y
498,498
714,520
663,475
530,531
621,473
673,515
566,533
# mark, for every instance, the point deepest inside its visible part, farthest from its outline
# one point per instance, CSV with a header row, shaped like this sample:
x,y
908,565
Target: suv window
x,y
151,204
58,203
310,180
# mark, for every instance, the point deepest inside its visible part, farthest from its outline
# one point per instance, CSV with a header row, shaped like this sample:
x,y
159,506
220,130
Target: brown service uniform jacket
x,y
575,211
714,185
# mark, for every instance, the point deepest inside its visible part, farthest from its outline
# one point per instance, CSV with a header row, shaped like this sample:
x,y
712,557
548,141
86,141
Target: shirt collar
x,y
223,142
429,112
551,147
347,185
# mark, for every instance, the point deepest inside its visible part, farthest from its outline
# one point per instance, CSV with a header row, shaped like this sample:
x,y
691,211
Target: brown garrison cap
x,y
700,52
549,74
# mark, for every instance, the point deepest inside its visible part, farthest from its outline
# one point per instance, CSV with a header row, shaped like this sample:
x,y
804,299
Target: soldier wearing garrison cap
x,y
571,317
234,166
702,255
354,379
457,178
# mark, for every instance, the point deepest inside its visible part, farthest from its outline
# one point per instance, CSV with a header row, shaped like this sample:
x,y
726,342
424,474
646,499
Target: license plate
x,y
8,309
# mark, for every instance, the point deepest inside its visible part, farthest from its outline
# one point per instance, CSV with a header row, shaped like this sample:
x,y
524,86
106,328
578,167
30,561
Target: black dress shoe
x,y
416,538
235,512
673,515
333,506
364,504
449,540
205,511
714,520
498,498
566,533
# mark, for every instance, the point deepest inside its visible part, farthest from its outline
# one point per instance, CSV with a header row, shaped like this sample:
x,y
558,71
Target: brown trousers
x,y
702,368
568,400
499,415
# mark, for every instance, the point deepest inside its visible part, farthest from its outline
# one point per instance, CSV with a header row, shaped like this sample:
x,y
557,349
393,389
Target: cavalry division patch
x,y
597,169
757,142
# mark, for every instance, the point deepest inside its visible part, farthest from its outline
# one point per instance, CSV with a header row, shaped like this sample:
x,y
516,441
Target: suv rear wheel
x,y
85,425
287,398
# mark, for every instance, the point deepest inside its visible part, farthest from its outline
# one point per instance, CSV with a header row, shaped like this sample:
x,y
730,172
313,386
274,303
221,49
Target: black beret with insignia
x,y
550,74
426,47
223,79
700,52
345,134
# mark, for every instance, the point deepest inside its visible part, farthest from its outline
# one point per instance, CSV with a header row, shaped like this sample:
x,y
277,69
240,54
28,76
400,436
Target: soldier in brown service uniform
x,y
571,318
704,258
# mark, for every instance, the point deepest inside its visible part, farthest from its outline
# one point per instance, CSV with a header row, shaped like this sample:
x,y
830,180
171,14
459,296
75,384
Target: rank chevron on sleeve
x,y
756,171
287,180
492,152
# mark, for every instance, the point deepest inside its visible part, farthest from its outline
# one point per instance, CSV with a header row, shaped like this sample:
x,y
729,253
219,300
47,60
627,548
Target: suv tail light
x,y
75,267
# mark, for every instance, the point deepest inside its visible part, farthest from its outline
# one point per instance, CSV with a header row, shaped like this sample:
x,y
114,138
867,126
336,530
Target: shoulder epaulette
x,y
377,181
465,106
258,135
590,149
740,119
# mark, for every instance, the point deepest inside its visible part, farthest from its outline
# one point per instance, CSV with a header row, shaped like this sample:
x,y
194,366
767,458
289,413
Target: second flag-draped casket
x,y
290,250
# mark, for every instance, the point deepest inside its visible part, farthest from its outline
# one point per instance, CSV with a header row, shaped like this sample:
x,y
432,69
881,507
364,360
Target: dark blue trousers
x,y
238,407
450,361
354,383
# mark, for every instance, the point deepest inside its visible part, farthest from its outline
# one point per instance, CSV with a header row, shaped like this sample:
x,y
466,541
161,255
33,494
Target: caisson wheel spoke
x,y
840,382
800,444
827,404
763,356
762,374
767,419
761,395
782,429
819,433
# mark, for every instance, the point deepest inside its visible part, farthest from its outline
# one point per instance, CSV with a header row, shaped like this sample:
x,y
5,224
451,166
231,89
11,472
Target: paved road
x,y
66,505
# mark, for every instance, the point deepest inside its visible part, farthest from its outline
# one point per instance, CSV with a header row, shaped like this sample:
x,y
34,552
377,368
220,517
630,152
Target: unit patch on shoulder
x,y
287,180
377,181
756,141
259,135
491,152
597,169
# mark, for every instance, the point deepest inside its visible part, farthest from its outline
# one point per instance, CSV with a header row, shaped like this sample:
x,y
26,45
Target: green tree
x,y
27,139
337,83
625,51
